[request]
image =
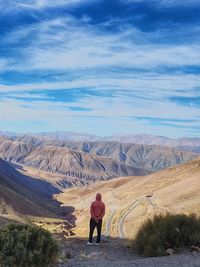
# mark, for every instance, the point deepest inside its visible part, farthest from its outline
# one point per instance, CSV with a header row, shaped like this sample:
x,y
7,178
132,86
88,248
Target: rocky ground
x,y
115,253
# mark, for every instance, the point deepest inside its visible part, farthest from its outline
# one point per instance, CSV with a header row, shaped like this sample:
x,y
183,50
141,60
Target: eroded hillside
x,y
85,162
24,198
175,189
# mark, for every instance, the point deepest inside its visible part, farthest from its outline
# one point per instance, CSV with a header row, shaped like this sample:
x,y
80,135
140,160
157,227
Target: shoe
x,y
89,244
97,244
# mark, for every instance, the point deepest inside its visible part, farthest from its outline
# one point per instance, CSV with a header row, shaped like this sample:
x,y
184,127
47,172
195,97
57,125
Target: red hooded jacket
x,y
97,208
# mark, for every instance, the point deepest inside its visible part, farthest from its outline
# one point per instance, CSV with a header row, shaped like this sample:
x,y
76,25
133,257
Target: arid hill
x,y
85,162
15,151
130,200
30,198
24,195
149,157
183,143
86,168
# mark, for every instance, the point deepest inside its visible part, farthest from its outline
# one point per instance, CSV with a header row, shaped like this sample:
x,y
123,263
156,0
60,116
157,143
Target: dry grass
x,y
174,189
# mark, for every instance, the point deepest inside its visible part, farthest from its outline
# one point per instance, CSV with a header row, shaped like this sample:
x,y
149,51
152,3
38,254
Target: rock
x,y
170,251
84,256
95,255
177,229
197,249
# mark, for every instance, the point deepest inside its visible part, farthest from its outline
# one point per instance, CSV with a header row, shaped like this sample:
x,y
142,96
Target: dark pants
x,y
93,225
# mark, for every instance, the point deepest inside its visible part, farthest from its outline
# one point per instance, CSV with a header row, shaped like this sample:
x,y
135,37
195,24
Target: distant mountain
x,y
130,138
82,166
193,149
87,162
9,134
69,136
155,140
65,136
14,150
184,143
149,157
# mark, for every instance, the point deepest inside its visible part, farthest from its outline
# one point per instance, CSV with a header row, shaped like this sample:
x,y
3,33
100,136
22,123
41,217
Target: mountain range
x,y
183,143
87,162
37,172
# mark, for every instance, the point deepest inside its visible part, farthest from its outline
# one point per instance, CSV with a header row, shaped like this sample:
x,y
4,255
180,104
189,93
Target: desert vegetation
x,y
23,245
164,232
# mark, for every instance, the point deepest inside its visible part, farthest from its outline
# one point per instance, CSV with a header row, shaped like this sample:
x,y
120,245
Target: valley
x,y
82,163
131,200
52,185
28,198
100,97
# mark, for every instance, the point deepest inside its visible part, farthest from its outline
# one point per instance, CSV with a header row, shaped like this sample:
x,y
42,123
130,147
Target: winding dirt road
x,y
123,218
130,209
155,205
109,221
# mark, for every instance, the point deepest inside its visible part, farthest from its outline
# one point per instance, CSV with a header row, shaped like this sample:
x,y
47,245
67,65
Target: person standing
x,y
97,211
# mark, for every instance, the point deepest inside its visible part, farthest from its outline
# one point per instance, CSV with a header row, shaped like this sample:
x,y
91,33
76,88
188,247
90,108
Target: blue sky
x,y
100,66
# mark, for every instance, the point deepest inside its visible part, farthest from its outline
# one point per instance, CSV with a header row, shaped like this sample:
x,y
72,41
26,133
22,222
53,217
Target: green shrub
x,y
26,246
167,231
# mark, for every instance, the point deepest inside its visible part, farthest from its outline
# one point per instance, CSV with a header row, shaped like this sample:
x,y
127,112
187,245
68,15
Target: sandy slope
x,y
175,189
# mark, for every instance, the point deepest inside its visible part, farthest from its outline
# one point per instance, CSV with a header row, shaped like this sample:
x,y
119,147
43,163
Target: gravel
x,y
116,254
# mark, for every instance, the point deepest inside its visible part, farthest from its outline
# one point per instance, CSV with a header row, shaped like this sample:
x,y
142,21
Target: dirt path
x,y
155,205
83,255
115,253
109,222
123,217
130,209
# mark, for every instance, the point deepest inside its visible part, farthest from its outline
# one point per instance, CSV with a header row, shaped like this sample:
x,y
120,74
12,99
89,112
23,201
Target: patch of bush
x,y
167,231
23,245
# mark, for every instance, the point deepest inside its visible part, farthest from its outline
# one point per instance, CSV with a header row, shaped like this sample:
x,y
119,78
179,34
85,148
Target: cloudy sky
x,y
100,66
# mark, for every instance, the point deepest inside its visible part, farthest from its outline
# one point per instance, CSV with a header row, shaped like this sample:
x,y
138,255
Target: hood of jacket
x,y
98,197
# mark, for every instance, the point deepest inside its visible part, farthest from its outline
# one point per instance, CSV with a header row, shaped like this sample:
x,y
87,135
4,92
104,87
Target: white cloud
x,y
106,117
3,64
166,3
47,3
154,86
65,43
15,5
178,2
